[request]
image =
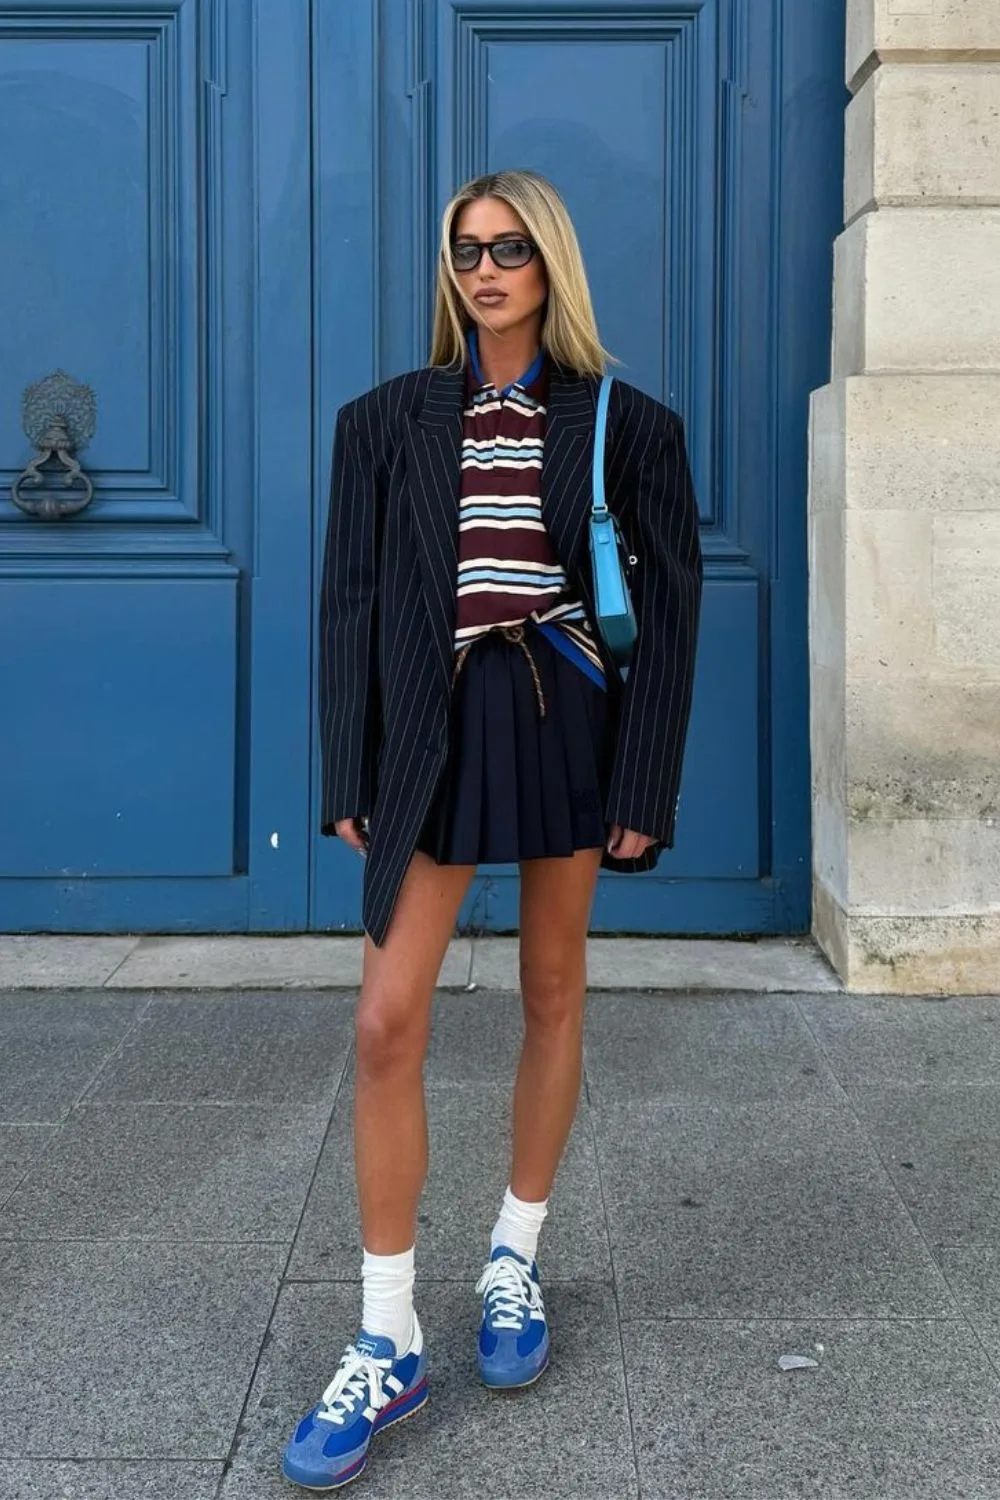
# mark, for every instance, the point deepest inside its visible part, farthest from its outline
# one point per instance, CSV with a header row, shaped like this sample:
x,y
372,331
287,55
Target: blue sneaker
x,y
371,1390
514,1336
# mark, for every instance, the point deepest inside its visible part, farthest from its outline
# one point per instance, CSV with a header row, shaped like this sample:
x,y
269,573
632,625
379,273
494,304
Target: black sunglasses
x,y
507,255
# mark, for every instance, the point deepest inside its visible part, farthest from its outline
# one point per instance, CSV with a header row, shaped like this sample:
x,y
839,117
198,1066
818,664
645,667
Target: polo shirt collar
x,y
528,378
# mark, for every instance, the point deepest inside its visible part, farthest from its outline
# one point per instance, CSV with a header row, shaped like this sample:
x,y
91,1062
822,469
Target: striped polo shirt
x,y
508,570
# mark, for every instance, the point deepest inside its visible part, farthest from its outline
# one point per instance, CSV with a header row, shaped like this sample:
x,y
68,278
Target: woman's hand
x,y
625,843
354,832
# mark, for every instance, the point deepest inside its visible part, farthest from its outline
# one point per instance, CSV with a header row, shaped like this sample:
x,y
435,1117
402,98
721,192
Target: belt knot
x,y
516,635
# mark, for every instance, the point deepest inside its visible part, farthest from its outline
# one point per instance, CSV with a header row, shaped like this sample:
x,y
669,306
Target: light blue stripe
x,y
502,512
519,453
542,582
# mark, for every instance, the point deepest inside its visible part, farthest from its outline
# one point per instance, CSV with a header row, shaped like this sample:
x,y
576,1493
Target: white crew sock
x,y
518,1225
387,1285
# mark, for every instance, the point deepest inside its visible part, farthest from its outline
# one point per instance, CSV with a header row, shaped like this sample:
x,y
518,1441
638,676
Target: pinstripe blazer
x,y
387,604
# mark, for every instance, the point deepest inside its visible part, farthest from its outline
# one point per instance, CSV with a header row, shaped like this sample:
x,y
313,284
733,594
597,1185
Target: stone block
x,y
921,748
830,867
919,866
850,308
881,30
918,289
827,426
909,955
827,620
923,134
888,589
966,594
829,779
921,442
829,920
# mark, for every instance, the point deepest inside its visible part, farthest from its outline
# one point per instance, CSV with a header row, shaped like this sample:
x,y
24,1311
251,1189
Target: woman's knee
x,y
553,995
390,1029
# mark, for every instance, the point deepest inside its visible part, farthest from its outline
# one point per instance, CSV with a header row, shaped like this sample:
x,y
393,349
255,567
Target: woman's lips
x,y
491,299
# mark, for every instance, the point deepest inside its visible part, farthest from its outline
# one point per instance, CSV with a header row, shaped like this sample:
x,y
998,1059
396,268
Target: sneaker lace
x,y
508,1286
358,1375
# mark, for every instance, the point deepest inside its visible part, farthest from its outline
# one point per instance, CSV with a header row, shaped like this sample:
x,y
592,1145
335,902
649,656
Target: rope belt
x,y
514,633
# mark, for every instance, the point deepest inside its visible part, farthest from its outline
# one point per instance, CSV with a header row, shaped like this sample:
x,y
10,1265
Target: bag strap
x,y
600,506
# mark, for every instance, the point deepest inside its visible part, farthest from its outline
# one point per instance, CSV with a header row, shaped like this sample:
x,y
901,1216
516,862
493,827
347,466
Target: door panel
x,y
143,783
661,125
155,678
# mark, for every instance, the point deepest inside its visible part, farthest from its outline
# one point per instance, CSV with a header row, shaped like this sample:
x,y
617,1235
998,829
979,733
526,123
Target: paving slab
x,y
905,1040
232,1049
53,1045
94,1479
66,960
941,1146
543,1443
973,1273
905,1410
129,1350
171,1172
469,1133
475,1038
20,1148
696,1050
763,1210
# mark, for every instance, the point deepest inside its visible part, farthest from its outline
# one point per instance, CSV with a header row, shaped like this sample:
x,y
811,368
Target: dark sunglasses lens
x,y
465,257
512,253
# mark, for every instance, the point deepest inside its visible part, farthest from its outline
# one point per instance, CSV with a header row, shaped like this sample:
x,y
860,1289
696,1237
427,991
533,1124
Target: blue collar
x,y
531,374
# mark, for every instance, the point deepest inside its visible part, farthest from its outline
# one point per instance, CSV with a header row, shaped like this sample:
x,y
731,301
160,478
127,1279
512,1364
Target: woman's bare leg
x,y
556,897
392,1025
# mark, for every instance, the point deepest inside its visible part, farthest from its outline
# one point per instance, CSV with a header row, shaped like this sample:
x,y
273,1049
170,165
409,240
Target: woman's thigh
x,y
398,979
556,898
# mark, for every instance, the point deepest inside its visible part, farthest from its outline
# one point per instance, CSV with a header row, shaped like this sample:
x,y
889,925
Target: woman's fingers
x,y
349,829
625,843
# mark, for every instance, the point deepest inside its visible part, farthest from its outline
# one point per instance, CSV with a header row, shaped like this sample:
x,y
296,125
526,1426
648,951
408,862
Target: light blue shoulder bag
x,y
615,615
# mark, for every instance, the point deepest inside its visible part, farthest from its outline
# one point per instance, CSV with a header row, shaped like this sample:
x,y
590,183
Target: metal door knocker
x,y
60,418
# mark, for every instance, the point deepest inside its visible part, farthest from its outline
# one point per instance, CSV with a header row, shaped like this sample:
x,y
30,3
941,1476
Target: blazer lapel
x,y
433,469
566,462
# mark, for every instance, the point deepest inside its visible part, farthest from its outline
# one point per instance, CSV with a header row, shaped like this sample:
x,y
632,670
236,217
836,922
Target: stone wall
x,y
905,513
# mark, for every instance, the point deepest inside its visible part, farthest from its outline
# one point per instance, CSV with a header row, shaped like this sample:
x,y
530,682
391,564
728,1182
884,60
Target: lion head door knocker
x,y
60,418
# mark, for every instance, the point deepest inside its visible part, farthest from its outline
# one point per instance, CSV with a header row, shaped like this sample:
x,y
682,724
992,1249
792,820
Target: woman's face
x,y
501,299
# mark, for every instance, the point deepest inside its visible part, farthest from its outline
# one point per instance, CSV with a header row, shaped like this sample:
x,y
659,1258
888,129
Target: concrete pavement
x,y
750,1175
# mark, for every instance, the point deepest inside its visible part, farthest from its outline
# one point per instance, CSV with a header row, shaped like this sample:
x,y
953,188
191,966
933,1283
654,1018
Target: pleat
x,y
518,785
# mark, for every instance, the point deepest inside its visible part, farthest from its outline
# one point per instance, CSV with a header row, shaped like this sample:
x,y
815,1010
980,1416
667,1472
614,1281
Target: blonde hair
x,y
569,331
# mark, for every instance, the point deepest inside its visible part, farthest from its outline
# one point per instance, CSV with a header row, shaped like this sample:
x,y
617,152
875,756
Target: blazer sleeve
x,y
348,686
666,596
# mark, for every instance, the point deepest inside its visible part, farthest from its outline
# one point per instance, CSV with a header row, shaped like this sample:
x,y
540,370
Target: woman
x,y
470,713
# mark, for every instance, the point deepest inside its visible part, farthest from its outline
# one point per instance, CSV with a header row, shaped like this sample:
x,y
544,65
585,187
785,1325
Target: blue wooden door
x,y
220,217
697,144
155,674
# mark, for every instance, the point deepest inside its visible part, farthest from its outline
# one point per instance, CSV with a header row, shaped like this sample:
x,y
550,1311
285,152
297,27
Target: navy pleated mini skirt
x,y
529,756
